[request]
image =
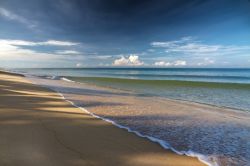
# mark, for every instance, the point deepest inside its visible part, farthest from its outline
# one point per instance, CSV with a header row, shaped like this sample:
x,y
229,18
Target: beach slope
x,y
38,128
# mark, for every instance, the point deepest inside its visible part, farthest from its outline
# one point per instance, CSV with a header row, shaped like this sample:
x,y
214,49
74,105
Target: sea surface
x,y
198,112
223,87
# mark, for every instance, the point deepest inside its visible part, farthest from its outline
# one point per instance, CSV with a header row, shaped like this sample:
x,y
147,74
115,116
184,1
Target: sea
x,y
223,87
215,138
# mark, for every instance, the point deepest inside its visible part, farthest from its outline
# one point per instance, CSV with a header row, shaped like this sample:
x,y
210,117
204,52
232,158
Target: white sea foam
x,y
66,79
221,138
162,143
205,159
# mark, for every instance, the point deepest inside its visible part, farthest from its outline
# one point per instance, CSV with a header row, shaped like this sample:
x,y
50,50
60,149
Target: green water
x,y
119,81
232,95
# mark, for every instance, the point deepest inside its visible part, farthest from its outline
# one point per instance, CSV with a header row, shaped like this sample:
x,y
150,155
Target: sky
x,y
124,33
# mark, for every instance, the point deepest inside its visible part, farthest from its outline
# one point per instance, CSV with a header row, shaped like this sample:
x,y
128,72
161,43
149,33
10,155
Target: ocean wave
x,y
208,159
186,76
231,95
162,82
210,93
205,159
66,79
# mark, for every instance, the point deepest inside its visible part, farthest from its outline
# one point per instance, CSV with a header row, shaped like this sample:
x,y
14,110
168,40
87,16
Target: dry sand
x,y
38,127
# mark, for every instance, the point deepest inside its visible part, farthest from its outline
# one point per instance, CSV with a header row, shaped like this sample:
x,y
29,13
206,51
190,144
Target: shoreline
x,y
222,106
158,90
226,108
231,109
105,102
160,142
139,139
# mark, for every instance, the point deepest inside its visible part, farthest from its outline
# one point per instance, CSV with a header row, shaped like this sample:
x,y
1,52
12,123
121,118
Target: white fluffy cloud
x,y
206,61
132,60
174,63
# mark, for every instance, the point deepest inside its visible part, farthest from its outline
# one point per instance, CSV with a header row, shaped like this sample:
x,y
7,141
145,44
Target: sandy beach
x,y
216,135
38,127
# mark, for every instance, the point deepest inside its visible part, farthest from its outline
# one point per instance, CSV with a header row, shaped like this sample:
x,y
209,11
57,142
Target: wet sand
x,y
38,127
220,134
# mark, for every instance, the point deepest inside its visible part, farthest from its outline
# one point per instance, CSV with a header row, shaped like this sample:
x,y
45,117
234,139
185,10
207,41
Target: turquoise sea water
x,y
228,87
213,136
232,75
